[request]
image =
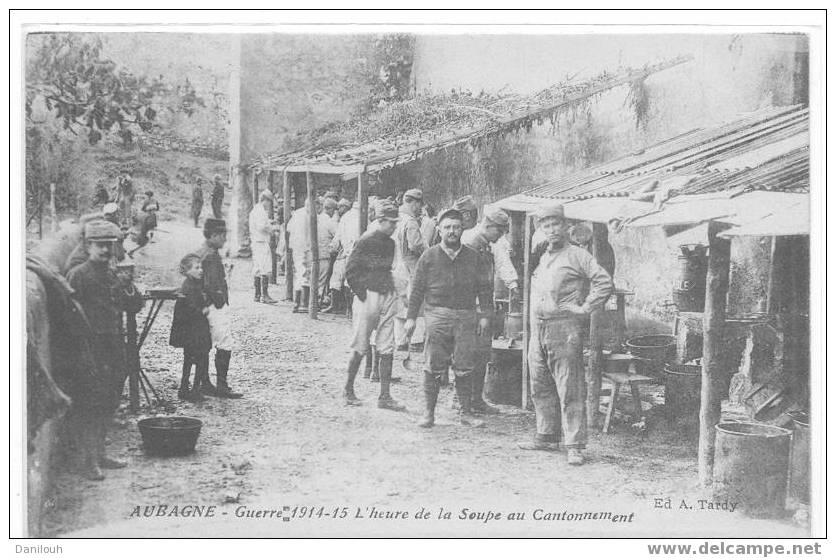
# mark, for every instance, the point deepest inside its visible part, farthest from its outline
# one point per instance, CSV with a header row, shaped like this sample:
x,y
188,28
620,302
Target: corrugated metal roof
x,y
770,145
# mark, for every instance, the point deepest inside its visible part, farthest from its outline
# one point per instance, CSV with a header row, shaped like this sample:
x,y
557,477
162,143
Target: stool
x,y
618,379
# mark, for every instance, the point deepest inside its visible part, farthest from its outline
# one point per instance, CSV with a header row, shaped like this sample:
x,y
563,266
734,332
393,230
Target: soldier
x,y
555,359
197,200
217,197
369,273
481,238
261,229
79,254
125,198
409,245
95,393
216,289
443,282
348,230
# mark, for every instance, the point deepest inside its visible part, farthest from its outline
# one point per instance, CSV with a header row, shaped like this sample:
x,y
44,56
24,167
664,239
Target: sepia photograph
x,y
399,281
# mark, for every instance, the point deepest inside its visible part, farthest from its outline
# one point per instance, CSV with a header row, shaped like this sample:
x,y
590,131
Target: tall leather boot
x,y
351,373
347,300
104,461
183,392
257,285
367,372
89,438
477,403
333,308
265,297
375,365
222,358
306,299
297,301
430,399
385,400
464,389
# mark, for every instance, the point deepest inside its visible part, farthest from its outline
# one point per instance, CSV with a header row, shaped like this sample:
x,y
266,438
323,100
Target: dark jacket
x,y
440,281
189,327
369,266
214,276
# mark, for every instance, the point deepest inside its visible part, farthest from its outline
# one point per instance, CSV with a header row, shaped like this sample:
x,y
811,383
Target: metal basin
x,y
169,436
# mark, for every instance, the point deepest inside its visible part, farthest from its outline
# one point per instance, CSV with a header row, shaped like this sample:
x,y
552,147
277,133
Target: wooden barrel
x,y
503,380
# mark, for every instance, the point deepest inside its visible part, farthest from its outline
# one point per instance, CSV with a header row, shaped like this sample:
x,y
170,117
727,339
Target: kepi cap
x,y
414,194
343,203
212,226
102,231
465,203
386,210
266,195
496,216
110,208
550,210
451,213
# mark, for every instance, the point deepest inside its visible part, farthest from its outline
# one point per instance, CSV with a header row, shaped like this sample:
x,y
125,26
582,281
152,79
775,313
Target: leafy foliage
x,y
87,91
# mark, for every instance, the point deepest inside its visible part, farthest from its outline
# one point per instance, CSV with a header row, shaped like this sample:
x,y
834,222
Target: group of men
x,y
397,276
217,199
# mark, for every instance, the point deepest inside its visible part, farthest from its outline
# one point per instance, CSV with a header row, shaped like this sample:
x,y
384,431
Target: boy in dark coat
x,y
190,328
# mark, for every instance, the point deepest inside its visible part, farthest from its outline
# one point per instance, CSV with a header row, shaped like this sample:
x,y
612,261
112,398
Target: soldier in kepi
x,y
444,283
96,393
481,238
369,274
555,350
220,318
409,245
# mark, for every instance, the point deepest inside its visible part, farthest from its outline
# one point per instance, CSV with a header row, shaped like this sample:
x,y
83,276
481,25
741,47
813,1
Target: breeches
x,y
377,312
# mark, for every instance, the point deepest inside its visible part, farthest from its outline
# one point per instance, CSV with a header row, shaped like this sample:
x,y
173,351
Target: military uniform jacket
x,y
189,327
214,276
97,289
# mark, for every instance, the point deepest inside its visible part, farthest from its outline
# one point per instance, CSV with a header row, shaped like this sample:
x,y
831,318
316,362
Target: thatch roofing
x,y
405,131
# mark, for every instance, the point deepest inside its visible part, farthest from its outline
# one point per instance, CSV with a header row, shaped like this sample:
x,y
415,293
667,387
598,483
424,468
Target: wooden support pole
x,y
714,379
314,245
272,215
288,256
133,361
597,321
526,390
363,198
255,188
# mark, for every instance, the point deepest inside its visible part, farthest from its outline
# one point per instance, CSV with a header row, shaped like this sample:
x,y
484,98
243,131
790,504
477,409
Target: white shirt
x,y
503,266
260,226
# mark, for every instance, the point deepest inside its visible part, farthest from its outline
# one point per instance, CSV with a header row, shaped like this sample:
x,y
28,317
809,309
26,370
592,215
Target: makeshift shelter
x,y
746,177
392,137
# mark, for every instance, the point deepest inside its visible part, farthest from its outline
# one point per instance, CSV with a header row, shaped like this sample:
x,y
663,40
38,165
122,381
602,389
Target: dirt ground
x,y
291,445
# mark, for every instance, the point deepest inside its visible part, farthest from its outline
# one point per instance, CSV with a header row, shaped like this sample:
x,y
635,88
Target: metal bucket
x,y
751,462
655,350
169,436
503,379
800,458
682,392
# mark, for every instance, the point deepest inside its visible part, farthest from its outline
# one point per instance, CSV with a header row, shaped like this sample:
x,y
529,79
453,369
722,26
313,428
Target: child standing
x,y
190,328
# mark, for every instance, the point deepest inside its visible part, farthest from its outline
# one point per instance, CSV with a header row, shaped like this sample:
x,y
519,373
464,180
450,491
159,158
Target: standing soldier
x,y
348,230
261,229
125,198
443,282
216,289
217,197
369,273
197,200
95,394
409,245
481,238
298,229
555,350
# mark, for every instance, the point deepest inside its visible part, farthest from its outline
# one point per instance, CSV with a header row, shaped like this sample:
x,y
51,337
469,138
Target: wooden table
x,y
618,379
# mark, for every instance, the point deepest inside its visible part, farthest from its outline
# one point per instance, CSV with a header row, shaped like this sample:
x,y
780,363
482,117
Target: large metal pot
x,y
168,436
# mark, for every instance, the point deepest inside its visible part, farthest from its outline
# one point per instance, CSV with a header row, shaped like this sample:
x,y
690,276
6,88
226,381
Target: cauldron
x,y
168,436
